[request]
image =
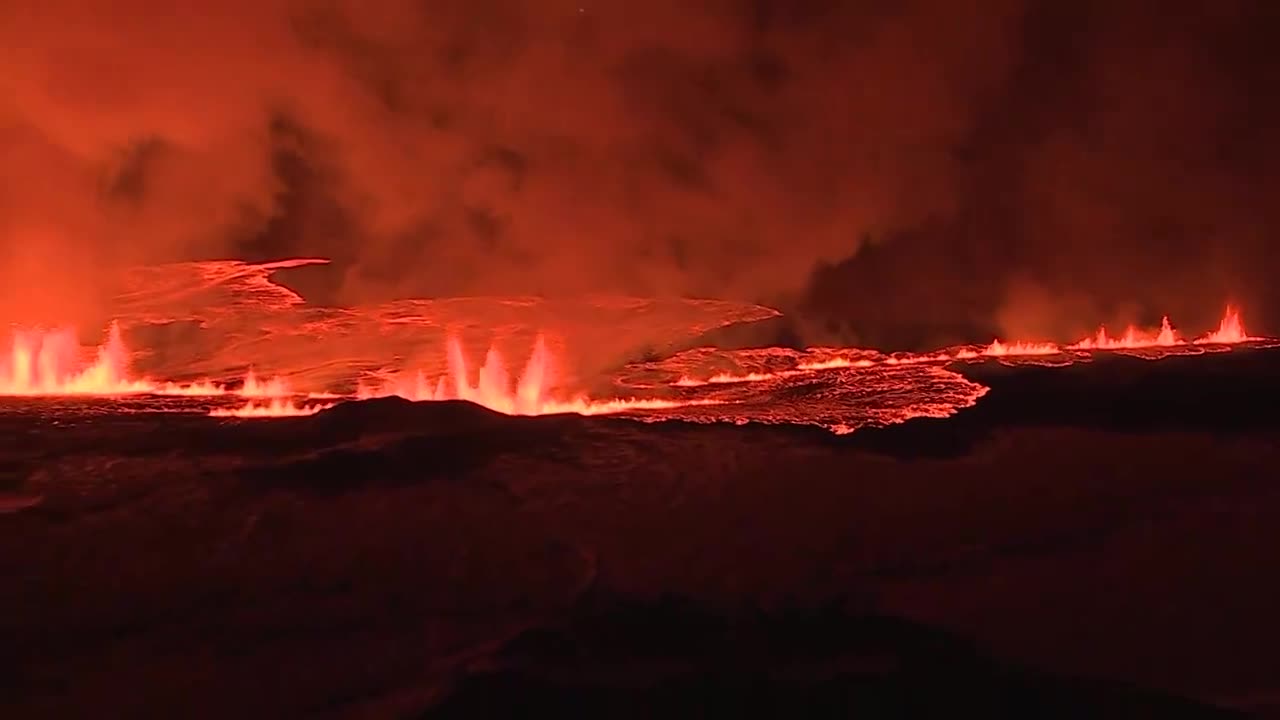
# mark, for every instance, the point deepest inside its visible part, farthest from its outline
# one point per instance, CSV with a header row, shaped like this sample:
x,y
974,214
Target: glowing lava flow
x,y
834,363
493,387
849,387
277,407
1230,332
726,378
276,390
999,349
52,363
202,388
252,387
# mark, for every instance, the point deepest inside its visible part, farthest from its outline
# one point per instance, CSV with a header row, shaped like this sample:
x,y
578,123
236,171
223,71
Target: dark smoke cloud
x,y
1128,168
888,171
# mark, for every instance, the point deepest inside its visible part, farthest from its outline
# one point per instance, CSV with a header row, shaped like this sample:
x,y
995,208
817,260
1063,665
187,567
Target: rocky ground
x,y
1091,541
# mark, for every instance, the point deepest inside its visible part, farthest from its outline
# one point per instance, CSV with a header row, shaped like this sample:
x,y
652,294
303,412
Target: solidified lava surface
x,y
1064,534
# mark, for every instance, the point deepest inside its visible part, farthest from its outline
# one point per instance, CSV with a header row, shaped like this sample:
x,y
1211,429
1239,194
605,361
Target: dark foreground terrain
x,y
1091,541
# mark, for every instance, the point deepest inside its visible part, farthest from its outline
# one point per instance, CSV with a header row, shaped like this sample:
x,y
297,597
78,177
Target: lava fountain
x,y
275,408
999,349
530,393
1230,331
840,383
1132,339
52,363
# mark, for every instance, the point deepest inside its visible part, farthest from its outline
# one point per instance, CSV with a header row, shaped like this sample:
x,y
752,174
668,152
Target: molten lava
x,y
1230,331
252,387
201,388
727,378
245,320
1132,339
999,349
530,393
52,363
833,363
276,387
277,407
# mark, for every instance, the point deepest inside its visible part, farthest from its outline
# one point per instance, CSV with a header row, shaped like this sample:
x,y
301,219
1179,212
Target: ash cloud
x,y
886,172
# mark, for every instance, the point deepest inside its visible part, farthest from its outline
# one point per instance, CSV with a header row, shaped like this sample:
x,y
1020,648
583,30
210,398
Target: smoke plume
x,y
898,171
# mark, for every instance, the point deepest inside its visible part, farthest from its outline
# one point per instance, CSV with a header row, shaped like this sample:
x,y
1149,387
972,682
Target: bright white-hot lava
x,y
276,407
834,363
999,349
52,363
529,393
1230,330
41,362
276,387
251,387
1132,339
200,388
725,379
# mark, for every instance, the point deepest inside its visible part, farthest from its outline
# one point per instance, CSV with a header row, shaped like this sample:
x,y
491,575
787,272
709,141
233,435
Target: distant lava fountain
x,y
1230,330
252,387
999,349
839,388
493,388
1132,339
52,363
275,387
277,407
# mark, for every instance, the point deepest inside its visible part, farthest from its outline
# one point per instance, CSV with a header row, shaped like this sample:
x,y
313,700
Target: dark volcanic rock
x,y
390,558
394,441
674,659
1218,393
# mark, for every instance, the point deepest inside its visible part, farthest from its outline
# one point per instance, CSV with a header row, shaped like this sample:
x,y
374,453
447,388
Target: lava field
x,y
238,502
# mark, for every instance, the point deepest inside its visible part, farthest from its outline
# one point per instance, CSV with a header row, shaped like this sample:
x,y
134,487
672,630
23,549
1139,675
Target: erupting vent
x,y
838,388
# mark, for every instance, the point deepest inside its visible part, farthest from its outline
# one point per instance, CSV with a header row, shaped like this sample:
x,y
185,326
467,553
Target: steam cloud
x,y
891,172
